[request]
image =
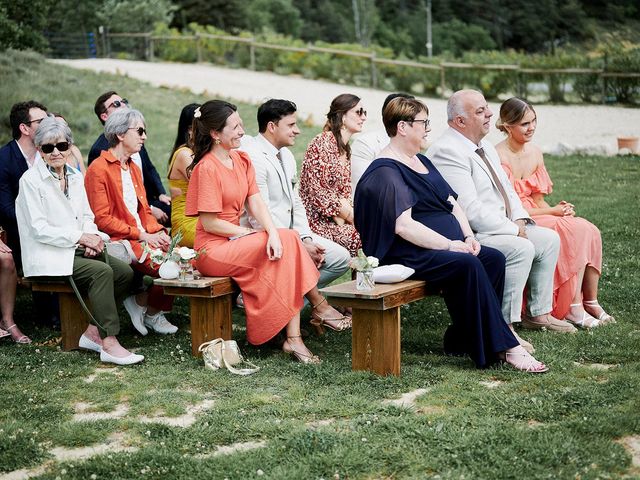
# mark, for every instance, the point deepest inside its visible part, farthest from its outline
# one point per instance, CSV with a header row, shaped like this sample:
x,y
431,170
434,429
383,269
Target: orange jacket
x,y
103,183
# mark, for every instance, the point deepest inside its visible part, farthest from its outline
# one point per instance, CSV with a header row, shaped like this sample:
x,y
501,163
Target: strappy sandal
x,y
343,323
4,333
527,363
23,339
604,317
587,321
299,356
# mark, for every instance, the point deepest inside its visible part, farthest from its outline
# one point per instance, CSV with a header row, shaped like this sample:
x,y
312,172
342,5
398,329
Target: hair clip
x,y
197,113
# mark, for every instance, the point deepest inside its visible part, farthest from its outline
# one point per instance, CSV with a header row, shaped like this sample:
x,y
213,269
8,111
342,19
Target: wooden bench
x,y
73,319
375,338
210,311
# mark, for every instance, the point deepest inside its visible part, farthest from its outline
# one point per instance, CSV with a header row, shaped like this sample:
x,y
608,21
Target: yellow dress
x,y
179,221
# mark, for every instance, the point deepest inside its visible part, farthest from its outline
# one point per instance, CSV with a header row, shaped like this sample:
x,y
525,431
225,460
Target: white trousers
x,y
530,261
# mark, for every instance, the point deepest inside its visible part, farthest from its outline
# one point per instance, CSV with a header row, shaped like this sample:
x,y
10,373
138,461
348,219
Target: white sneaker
x,y
137,313
159,323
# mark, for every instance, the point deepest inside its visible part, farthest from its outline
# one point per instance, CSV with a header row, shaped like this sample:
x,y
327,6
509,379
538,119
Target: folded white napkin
x,y
392,273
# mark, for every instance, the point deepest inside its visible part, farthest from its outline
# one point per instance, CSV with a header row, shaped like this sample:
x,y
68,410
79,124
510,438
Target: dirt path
x,y
561,129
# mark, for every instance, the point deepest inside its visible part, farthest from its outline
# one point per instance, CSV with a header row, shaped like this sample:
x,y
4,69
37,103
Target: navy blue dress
x,y
471,286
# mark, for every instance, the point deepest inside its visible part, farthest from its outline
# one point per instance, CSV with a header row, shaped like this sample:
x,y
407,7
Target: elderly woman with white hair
x,y
119,202
59,238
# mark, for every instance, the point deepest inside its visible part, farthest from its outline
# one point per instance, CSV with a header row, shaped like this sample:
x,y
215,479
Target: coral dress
x,y
179,221
580,242
325,179
272,290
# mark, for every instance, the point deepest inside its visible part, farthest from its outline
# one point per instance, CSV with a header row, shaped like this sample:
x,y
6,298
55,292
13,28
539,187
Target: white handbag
x,y
221,353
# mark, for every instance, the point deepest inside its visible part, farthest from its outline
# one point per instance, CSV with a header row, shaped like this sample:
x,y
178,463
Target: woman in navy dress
x,y
406,213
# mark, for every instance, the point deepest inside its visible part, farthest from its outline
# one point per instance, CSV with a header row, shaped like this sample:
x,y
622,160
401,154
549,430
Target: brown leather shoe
x,y
549,323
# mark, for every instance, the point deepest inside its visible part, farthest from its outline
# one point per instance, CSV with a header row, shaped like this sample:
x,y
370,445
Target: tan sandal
x,y
299,356
343,323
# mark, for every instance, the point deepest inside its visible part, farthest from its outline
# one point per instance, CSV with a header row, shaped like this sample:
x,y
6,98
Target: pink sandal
x,y
523,361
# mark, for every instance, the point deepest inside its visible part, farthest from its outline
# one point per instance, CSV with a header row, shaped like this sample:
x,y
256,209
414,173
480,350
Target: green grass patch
x,y
326,421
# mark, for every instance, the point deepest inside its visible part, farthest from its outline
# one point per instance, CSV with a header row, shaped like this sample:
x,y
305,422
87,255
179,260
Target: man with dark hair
x,y
367,146
276,176
160,202
16,157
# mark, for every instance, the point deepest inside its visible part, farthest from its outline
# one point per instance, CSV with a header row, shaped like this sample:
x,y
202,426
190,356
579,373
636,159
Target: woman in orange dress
x,y
325,177
271,266
579,265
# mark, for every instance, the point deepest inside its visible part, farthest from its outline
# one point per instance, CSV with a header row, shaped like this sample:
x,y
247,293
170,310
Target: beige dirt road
x,y
561,129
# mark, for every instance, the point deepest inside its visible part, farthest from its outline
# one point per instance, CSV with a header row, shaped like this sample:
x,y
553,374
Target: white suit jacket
x,y
365,149
51,224
454,156
277,186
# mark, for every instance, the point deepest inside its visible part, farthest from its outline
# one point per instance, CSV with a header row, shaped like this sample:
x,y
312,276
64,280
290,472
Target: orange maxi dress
x,y
272,290
580,241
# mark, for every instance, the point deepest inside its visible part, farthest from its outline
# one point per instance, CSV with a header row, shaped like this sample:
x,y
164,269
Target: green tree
x,y
135,15
22,23
276,15
228,15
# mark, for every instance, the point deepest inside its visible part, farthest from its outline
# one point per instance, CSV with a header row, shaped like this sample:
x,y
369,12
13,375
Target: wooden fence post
x,y
374,71
252,55
198,48
151,48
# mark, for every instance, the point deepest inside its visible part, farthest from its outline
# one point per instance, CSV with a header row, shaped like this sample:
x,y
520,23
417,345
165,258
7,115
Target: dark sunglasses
x,y
141,131
37,120
361,112
118,103
61,146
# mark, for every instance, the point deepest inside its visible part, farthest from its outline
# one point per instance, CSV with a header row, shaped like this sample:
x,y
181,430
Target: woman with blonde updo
x,y
575,284
271,266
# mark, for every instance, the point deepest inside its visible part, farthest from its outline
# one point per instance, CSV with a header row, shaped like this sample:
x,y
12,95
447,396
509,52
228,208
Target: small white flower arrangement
x,y
175,253
362,263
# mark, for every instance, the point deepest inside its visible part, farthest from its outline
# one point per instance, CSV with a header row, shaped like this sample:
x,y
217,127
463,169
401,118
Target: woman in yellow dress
x,y
181,158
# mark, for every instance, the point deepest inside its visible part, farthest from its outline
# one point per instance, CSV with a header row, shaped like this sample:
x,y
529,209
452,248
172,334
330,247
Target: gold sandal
x,y
343,323
299,356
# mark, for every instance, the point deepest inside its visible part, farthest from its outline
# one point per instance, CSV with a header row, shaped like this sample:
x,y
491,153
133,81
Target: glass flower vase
x,y
186,270
364,280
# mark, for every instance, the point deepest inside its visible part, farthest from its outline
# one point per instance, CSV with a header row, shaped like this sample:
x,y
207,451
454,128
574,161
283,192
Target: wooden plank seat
x,y
73,319
375,337
210,306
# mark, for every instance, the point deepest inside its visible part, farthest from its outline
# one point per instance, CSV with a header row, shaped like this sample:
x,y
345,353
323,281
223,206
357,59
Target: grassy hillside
x,y
312,422
27,76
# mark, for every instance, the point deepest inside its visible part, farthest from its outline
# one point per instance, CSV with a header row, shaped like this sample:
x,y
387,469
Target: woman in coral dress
x,y
181,158
325,177
271,266
580,262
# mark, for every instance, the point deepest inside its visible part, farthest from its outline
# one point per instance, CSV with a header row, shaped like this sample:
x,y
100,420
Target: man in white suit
x,y
276,177
472,167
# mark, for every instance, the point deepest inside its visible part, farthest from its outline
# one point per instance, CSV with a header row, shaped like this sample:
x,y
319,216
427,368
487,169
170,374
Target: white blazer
x,y
455,157
364,150
278,187
49,224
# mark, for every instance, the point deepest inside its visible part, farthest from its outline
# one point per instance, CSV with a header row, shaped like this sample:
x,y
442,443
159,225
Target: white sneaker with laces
x,y
159,323
137,313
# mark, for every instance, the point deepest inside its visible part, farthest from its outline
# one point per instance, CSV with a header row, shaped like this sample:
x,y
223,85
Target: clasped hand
x,y
470,245
564,209
316,252
156,240
92,243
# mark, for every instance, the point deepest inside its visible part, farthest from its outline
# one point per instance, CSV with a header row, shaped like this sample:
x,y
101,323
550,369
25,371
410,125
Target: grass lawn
x,y
65,415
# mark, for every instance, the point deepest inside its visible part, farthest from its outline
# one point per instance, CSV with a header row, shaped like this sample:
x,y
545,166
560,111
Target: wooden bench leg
x,y
210,319
73,320
375,341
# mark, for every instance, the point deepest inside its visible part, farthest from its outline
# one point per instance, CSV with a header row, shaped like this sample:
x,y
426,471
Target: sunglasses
x,y
37,120
118,103
361,112
141,131
61,146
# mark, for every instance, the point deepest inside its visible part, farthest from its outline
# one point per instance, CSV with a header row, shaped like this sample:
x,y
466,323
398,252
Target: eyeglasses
x,y
48,147
141,131
118,103
361,112
37,120
425,121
